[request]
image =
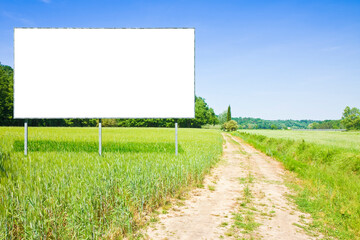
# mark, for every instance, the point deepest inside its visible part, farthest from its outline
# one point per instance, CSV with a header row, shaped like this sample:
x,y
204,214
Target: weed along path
x,y
243,197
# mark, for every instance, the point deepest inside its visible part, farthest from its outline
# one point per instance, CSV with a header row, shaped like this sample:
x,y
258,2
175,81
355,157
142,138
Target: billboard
x,y
104,73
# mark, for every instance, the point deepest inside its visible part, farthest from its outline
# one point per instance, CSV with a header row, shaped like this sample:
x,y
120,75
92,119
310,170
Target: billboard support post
x,y
26,137
100,136
176,138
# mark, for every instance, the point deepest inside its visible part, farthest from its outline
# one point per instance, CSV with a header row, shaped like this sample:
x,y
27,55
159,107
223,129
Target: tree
x,y
6,94
274,127
228,117
351,118
222,117
203,114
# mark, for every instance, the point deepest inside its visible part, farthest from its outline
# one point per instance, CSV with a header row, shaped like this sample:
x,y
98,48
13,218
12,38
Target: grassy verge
x,y
330,181
349,140
64,190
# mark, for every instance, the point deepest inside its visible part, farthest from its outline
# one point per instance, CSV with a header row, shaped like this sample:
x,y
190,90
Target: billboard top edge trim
x,y
160,28
107,118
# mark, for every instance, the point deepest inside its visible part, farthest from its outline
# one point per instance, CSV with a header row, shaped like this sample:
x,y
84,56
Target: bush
x,y
230,126
108,122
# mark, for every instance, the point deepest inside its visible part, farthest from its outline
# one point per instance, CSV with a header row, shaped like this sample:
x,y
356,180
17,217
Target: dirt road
x,y
243,197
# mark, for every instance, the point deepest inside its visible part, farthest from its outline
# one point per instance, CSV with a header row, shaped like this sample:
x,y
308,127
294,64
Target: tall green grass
x,y
348,140
63,189
330,186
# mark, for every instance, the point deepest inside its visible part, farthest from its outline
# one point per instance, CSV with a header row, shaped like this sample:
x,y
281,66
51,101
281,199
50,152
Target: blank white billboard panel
x,y
104,73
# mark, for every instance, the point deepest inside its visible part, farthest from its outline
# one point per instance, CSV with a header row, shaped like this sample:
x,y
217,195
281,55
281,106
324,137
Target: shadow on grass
x,y
4,159
83,146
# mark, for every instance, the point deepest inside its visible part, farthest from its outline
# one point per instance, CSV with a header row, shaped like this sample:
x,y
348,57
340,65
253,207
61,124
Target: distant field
x,y
63,189
348,140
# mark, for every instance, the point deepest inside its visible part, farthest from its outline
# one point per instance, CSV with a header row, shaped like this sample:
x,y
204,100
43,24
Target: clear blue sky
x,y
268,59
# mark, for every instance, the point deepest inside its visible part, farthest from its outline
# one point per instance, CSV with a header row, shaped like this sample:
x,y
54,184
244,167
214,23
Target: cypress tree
x,y
228,117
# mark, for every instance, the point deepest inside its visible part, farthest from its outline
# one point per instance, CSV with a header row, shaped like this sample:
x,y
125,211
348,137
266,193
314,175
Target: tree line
x,y
6,95
349,121
327,124
258,123
203,113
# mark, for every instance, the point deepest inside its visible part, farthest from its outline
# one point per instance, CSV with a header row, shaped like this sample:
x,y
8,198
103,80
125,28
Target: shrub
x,y
108,122
230,126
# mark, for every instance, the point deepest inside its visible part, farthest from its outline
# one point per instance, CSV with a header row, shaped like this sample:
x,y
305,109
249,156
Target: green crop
x,y
347,140
64,189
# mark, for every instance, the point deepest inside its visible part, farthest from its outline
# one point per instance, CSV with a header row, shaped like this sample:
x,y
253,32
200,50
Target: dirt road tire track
x,y
207,213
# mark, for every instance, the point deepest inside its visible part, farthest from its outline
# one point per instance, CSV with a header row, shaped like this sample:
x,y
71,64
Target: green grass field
x,y
347,140
328,165
64,189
